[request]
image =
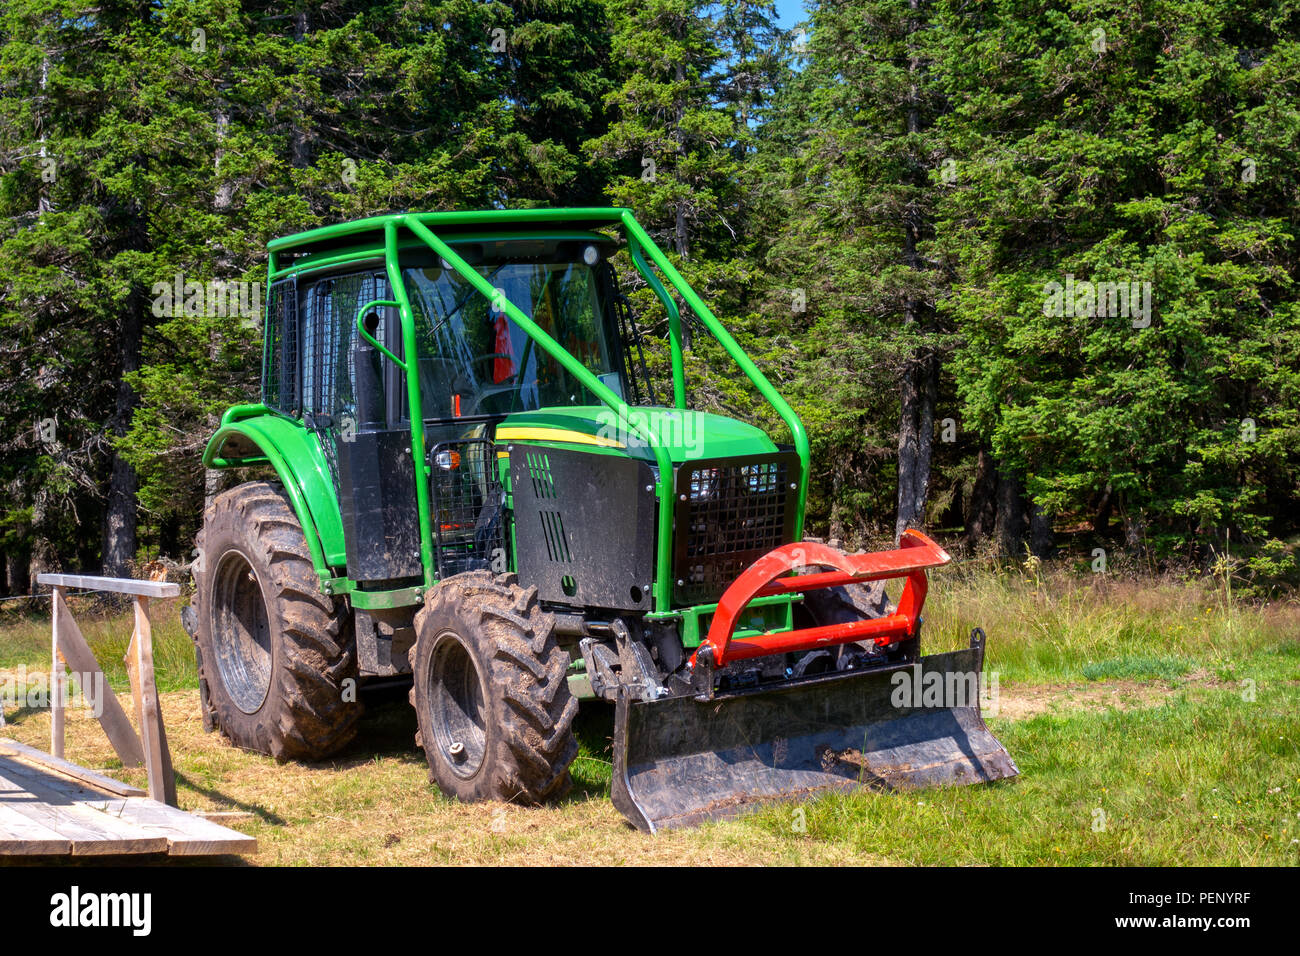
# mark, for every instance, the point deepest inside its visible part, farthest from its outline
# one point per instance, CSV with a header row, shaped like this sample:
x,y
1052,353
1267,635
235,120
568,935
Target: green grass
x,y
1064,627
1206,778
1138,667
1172,739
25,641
1207,775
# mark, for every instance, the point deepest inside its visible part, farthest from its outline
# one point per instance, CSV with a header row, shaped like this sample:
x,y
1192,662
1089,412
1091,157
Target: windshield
x,y
473,360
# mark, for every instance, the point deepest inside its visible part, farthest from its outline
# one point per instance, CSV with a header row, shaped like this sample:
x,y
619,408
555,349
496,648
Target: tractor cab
x,y
475,361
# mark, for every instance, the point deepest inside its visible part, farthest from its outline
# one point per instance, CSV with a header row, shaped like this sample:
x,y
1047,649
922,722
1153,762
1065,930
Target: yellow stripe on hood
x,y
542,433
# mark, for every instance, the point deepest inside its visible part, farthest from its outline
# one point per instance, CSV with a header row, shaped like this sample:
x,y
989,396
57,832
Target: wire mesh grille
x,y
329,326
280,348
729,514
468,499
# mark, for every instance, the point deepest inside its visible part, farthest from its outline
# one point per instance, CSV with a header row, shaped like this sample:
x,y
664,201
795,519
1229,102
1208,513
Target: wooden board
x,y
81,659
42,811
153,736
31,755
91,832
158,589
187,835
21,836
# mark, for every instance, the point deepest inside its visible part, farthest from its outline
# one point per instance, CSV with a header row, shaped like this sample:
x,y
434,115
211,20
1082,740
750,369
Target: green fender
x,y
255,435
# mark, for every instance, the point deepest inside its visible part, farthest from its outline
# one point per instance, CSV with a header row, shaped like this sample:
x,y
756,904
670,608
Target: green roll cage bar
x,y
640,244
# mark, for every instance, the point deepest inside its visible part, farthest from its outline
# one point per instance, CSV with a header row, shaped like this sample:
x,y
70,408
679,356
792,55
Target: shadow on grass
x,y
230,803
15,717
594,766
387,729
389,726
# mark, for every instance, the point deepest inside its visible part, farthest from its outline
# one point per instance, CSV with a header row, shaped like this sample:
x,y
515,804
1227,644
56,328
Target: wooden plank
x,y
158,760
56,682
45,800
20,836
33,756
158,589
82,661
187,835
184,835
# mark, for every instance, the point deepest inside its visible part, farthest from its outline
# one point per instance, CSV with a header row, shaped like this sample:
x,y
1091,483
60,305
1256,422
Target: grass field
x,y
1153,723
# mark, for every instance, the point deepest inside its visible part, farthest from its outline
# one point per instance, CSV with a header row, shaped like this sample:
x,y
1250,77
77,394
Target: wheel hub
x,y
458,706
241,633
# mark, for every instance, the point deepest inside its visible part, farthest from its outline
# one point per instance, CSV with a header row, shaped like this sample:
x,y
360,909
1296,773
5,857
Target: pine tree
x,y
671,138
1150,150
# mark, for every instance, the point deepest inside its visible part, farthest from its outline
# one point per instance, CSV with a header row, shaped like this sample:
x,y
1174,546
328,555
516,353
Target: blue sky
x,y
789,12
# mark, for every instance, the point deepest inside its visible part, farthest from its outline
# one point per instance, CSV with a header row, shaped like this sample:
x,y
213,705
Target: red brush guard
x,y
765,577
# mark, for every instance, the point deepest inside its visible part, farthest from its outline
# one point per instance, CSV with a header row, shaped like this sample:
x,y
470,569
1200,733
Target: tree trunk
x,y
19,571
920,379
1012,522
300,150
169,539
43,202
835,527
1040,532
121,511
223,198
41,557
915,440
982,509
1101,516
681,237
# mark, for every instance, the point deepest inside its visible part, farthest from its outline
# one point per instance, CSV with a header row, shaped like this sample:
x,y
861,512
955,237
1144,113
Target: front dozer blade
x,y
680,761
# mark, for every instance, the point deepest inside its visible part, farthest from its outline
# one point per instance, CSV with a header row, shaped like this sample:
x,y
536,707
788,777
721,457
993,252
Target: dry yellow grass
x,y
376,807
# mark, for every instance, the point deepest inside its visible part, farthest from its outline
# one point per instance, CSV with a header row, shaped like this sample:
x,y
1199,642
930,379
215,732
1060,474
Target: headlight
x,y
761,479
704,484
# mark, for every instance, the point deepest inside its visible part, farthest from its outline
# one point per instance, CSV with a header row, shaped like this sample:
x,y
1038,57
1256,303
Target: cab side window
x,y
328,315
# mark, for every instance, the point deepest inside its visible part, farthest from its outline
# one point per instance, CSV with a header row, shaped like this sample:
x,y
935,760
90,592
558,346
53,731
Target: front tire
x,y
491,692
275,652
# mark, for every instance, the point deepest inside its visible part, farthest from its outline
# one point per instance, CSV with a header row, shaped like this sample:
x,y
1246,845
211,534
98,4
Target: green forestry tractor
x,y
476,485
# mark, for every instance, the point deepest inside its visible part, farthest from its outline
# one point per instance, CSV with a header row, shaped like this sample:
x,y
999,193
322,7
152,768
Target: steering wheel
x,y
507,384
479,360
493,358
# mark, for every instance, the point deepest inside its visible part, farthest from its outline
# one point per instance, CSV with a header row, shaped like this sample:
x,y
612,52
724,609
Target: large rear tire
x,y
491,692
276,654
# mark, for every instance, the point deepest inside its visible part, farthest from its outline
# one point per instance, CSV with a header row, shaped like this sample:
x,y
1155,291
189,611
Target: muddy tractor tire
x,y
491,692
277,656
